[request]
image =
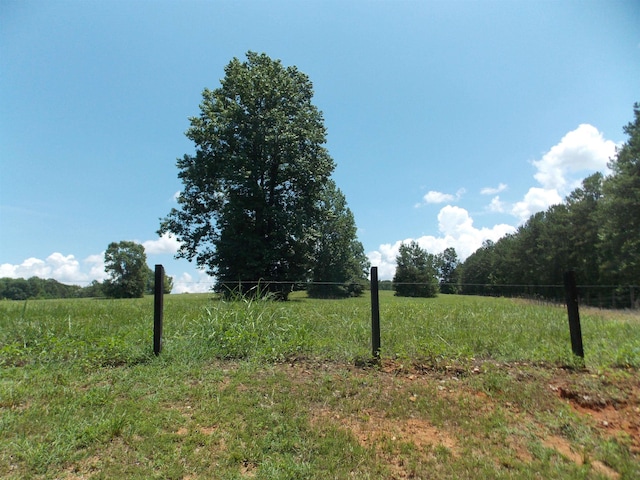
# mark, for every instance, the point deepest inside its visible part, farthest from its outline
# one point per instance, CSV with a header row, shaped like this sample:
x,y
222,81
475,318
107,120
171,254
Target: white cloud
x,y
497,205
95,263
579,151
185,283
29,268
167,243
63,268
437,197
559,171
457,231
492,191
440,197
535,200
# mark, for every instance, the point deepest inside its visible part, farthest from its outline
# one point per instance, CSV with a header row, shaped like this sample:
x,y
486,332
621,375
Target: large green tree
x,y
251,192
126,264
416,272
340,266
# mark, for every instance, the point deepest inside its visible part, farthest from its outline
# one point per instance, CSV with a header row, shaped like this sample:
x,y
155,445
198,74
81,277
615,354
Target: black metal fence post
x,y
158,307
571,290
375,314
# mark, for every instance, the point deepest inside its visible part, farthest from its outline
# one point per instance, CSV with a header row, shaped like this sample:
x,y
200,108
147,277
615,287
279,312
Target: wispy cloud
x,y
492,191
438,197
497,205
434,197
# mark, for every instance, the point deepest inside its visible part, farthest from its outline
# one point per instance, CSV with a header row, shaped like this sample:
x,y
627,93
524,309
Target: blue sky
x,y
450,122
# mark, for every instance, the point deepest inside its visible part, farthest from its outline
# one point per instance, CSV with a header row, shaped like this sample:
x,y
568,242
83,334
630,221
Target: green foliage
x,y
340,265
126,264
620,232
595,232
448,272
416,272
34,287
249,210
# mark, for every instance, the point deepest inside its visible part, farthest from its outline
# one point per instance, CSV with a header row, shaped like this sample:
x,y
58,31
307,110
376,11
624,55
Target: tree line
x,y
34,287
594,232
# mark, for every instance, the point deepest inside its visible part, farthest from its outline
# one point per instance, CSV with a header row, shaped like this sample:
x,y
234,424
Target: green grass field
x,y
468,387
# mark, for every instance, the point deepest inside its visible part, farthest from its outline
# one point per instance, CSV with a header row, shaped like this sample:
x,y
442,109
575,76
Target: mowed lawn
x,y
468,387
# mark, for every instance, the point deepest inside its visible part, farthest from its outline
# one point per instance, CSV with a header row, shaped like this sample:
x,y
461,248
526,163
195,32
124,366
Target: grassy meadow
x,y
468,387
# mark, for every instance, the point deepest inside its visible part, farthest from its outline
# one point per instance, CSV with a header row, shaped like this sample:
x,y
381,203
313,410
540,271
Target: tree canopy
x,y
416,272
620,233
447,265
251,208
340,265
126,264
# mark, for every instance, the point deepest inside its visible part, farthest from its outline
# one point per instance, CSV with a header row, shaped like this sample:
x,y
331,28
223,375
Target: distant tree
x,y
340,266
94,289
126,264
248,209
15,289
34,287
478,270
150,288
448,263
416,272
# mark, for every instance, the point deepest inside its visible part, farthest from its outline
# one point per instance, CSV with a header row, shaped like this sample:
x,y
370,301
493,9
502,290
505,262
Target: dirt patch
x,y
248,469
563,447
183,431
84,469
207,430
609,402
615,412
371,427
